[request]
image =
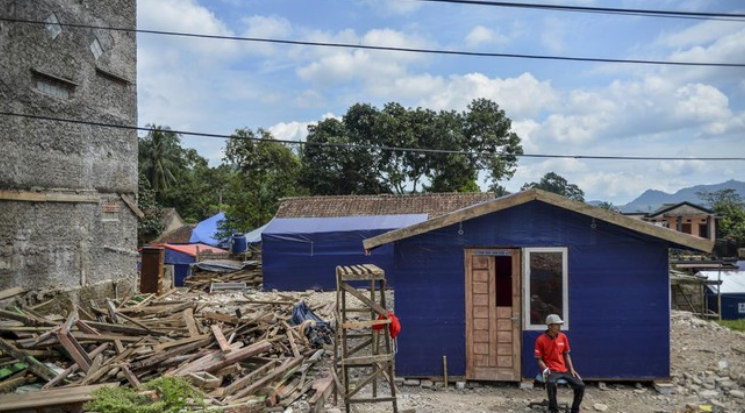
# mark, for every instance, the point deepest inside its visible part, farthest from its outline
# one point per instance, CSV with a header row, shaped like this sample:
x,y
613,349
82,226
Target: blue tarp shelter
x,y
476,285
183,255
254,237
732,290
206,231
302,253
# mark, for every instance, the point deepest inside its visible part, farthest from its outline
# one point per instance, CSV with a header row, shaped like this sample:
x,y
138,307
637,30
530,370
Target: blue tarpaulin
x,y
254,237
302,253
206,231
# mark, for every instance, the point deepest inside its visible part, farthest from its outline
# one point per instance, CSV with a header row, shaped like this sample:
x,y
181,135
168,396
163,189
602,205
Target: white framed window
x,y
52,88
52,25
53,85
96,48
546,286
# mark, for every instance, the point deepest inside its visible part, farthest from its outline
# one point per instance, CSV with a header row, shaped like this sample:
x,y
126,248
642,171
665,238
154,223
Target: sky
x,y
556,107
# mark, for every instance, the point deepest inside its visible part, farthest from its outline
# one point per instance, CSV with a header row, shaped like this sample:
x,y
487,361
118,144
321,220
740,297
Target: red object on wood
x,y
394,327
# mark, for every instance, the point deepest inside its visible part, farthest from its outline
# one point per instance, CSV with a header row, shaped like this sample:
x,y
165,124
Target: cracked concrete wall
x,y
76,73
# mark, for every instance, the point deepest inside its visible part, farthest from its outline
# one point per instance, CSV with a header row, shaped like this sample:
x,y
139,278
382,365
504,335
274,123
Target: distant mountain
x,y
652,199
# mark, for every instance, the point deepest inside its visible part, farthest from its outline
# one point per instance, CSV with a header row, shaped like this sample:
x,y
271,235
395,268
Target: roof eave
x,y
674,237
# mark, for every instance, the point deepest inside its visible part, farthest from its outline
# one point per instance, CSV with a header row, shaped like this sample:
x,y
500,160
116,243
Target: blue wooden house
x,y
476,284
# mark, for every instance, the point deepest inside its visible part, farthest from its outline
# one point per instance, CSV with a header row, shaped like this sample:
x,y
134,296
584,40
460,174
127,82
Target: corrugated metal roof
x,y
732,281
341,224
191,249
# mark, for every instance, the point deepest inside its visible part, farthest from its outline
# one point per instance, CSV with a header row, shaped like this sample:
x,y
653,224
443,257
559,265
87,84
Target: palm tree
x,y
159,155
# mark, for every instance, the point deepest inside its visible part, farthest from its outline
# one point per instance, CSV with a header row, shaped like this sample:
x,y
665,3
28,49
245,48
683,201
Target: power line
x,y
373,147
602,10
386,48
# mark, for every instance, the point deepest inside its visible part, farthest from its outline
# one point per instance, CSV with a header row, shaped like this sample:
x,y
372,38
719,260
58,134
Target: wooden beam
x,y
250,377
220,337
30,196
277,372
191,324
34,365
46,398
11,292
132,204
365,300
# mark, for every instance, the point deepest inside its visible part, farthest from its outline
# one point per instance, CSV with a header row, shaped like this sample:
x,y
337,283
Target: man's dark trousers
x,y
575,382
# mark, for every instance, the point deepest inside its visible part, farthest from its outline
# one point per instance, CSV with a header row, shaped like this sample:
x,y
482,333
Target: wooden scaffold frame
x,y
368,355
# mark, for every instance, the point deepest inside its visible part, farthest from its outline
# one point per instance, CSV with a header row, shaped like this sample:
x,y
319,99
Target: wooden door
x,y
151,273
493,333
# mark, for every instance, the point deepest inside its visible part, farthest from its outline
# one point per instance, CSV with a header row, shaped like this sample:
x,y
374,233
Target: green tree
x,y
730,209
262,171
337,170
151,225
553,182
609,206
477,139
159,154
488,132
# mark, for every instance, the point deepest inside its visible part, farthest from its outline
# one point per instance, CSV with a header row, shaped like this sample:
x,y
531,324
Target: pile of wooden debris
x,y
249,360
223,275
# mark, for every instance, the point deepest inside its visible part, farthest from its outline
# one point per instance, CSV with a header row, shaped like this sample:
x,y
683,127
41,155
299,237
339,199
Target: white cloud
x,y
334,66
185,16
681,167
481,35
290,131
521,97
701,103
702,33
394,7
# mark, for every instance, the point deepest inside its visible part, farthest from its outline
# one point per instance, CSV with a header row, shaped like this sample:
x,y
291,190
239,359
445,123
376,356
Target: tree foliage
x,y
341,157
152,223
159,152
478,139
553,182
262,171
609,206
730,209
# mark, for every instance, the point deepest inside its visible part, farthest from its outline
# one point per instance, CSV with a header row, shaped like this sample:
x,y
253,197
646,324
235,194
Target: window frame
x,y
526,286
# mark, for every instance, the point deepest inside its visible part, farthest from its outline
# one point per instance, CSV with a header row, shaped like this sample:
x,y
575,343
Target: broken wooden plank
x,y
11,292
225,318
48,398
73,349
224,360
277,372
191,324
131,378
117,328
34,365
220,337
247,379
323,387
29,321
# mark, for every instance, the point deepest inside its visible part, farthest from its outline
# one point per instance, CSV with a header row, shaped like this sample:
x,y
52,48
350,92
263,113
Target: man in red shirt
x,y
552,353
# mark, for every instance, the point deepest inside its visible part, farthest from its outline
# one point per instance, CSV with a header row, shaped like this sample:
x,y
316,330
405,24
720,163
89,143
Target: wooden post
x,y
445,369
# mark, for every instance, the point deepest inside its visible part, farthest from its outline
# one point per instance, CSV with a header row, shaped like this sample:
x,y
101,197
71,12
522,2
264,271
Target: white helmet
x,y
553,319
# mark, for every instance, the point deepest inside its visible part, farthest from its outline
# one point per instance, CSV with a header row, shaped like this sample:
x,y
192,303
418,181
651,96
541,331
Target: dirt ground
x,y
707,374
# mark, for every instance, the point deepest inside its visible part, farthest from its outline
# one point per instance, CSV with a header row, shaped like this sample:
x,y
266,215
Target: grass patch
x,y
737,325
174,394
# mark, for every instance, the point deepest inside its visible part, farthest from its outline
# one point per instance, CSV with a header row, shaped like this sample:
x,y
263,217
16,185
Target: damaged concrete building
x,y
68,189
